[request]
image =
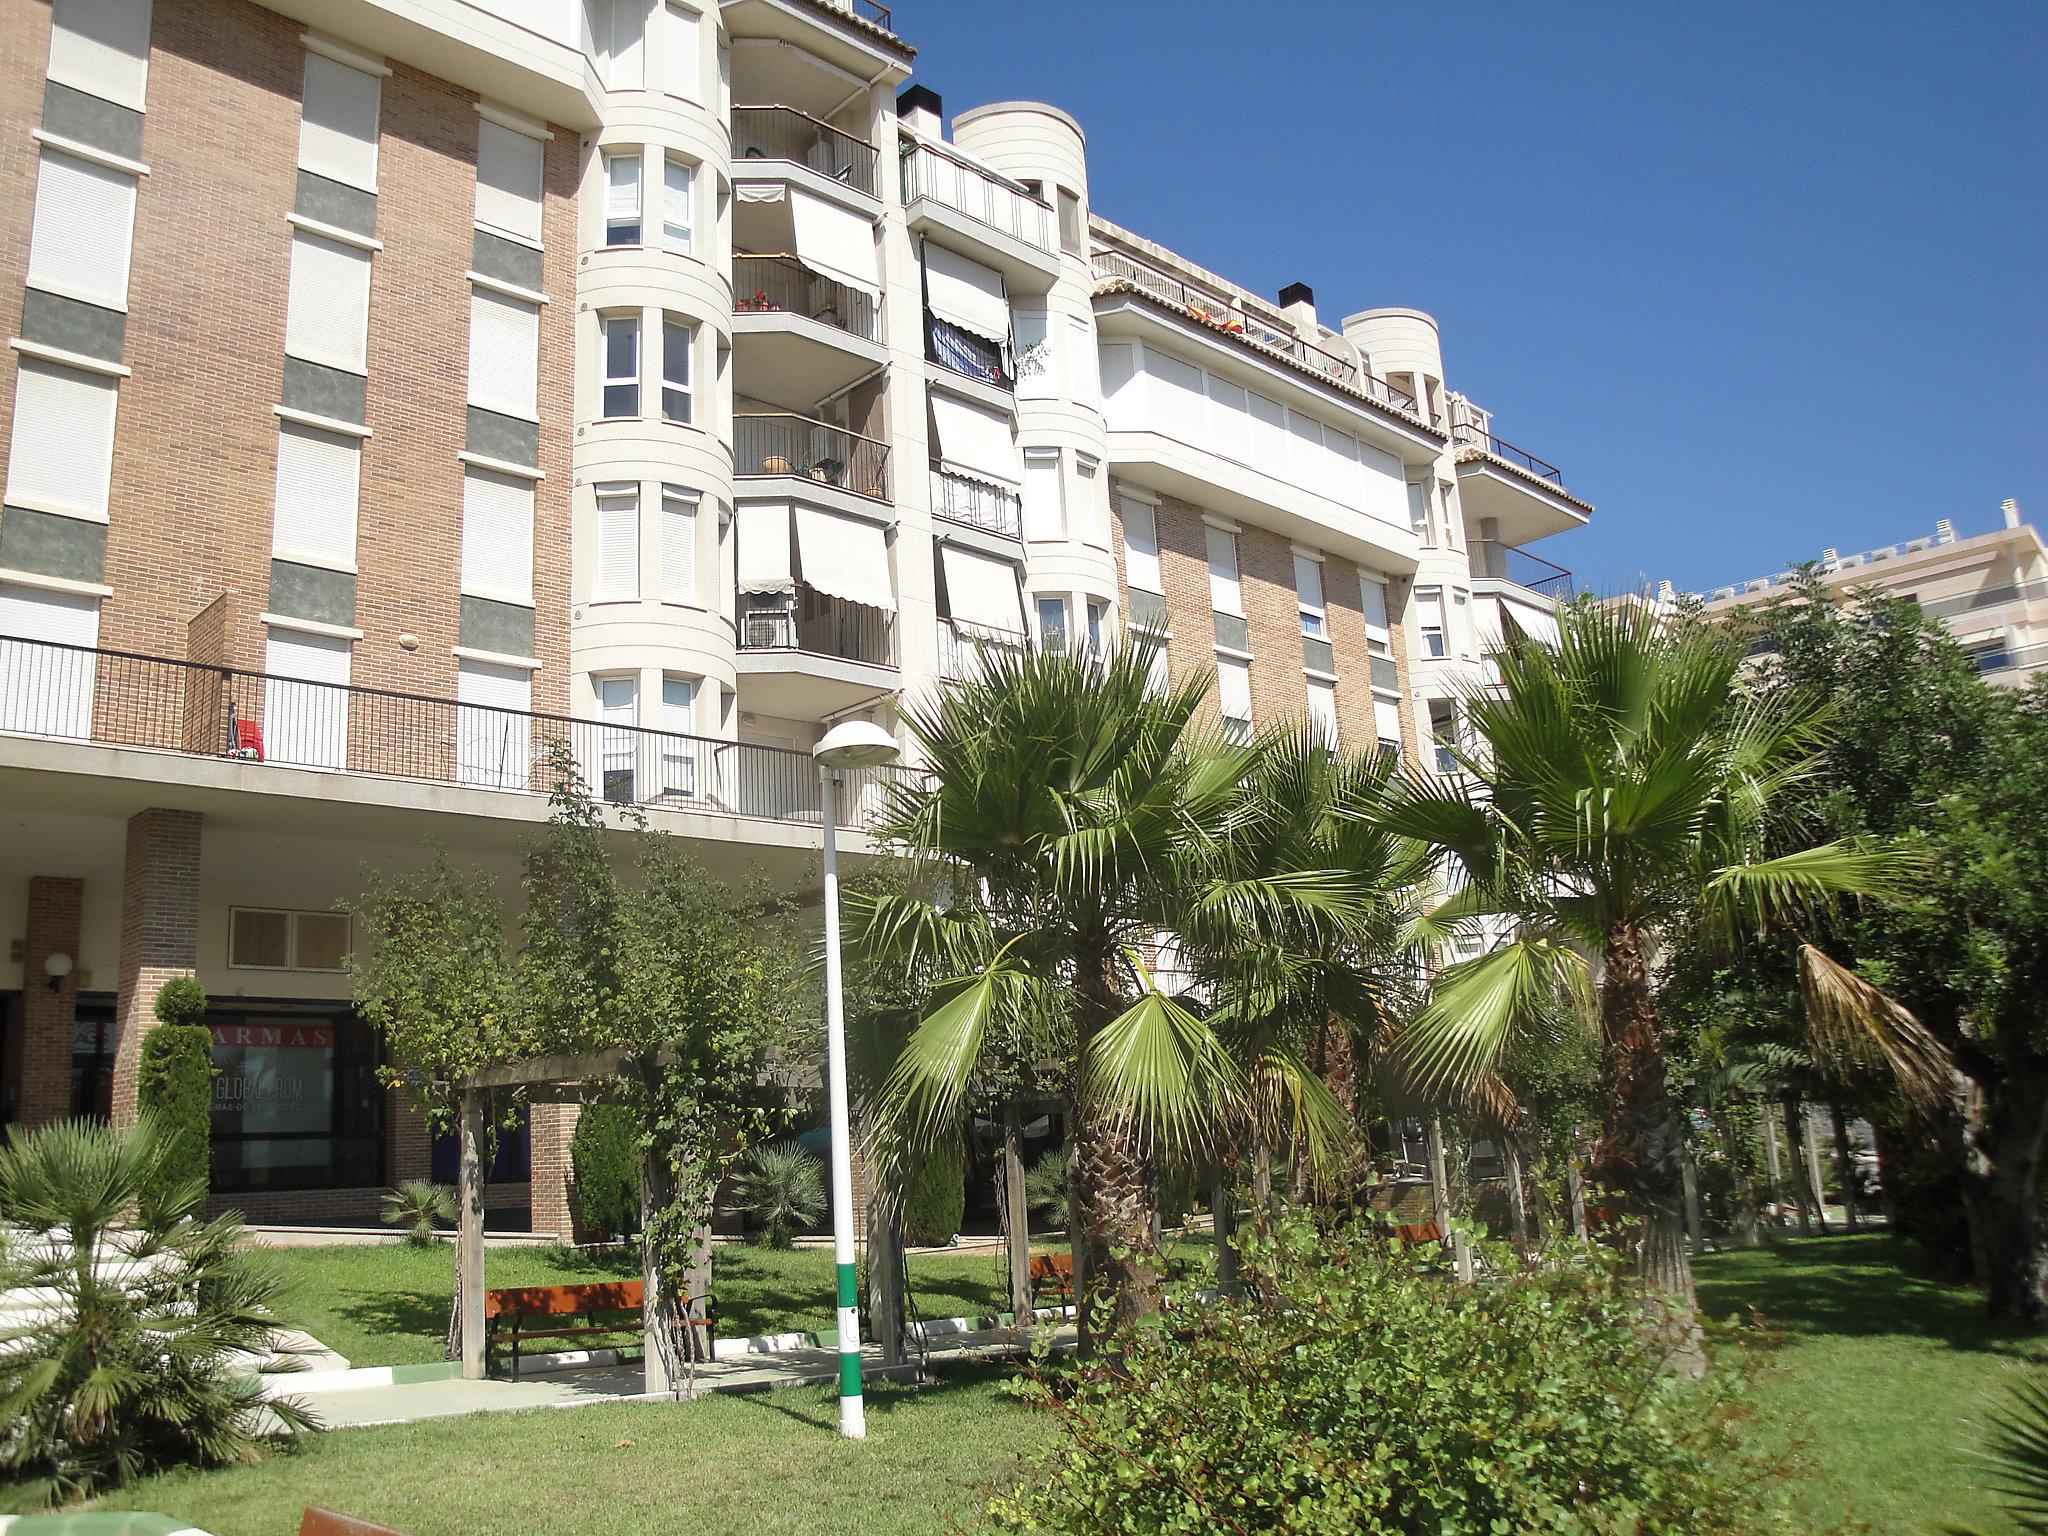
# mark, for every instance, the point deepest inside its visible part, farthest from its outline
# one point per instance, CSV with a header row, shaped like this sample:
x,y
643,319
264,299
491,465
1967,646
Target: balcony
x,y
1522,495
783,135
821,43
963,645
776,444
987,216
257,723
799,336
804,653
973,503
1505,562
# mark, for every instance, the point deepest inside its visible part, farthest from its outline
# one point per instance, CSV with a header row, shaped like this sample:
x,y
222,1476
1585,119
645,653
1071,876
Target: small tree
x,y
604,1157
174,1083
420,1206
782,1187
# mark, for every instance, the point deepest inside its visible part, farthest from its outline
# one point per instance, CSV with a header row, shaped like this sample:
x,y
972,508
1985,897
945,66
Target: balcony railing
x,y
976,503
127,699
1510,562
1235,318
1472,436
817,624
866,10
996,201
784,133
783,443
962,646
784,285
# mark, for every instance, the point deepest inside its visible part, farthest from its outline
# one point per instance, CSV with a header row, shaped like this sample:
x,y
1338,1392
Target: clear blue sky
x,y
1760,278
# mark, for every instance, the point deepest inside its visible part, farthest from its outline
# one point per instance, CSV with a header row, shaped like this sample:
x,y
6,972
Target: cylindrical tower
x,y
651,624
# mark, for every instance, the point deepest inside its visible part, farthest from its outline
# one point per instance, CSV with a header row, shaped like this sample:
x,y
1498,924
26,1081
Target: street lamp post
x,y
851,744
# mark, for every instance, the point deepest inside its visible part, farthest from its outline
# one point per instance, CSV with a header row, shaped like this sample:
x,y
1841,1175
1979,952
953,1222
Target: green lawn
x,y
388,1305
1881,1377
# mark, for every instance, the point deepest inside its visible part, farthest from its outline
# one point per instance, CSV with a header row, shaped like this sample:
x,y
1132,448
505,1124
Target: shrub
x,y
181,1000
937,1198
174,1082
1045,1186
782,1187
139,1361
604,1156
1353,1391
418,1205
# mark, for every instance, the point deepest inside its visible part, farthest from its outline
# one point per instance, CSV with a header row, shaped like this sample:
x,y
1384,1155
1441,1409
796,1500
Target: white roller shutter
x,y
1382,486
1141,545
305,700
497,536
1233,688
629,32
43,690
1230,421
618,543
1226,593
966,293
682,52
836,241
62,451
973,439
764,553
1044,506
508,181
1269,435
1386,719
84,224
101,47
1308,581
982,590
1322,711
1373,592
327,311
504,354
338,122
318,477
678,546
493,725
845,557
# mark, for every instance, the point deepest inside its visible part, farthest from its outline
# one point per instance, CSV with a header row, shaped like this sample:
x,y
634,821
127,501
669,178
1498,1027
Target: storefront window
x,y
296,1104
92,1060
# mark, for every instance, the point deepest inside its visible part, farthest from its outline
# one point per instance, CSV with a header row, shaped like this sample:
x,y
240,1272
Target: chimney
x,y
1830,555
922,112
1945,530
1298,303
2011,508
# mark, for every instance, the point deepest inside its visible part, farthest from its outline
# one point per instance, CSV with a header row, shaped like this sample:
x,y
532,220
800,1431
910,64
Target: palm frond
x,y
1846,1015
1476,1006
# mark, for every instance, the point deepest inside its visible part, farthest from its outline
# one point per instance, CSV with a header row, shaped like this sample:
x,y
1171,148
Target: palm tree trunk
x,y
1112,1198
1791,1113
1642,1145
2007,1143
1814,1182
1845,1166
1016,1212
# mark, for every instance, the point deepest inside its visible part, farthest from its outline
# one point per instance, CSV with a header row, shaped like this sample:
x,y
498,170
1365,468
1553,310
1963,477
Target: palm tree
x,y
1076,815
1618,785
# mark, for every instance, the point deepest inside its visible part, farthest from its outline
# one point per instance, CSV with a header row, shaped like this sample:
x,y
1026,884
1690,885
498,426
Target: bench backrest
x,y
565,1300
1052,1266
1419,1232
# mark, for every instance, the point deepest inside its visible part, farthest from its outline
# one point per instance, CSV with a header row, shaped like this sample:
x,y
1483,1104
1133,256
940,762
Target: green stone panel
x,y
506,628
72,324
312,592
1316,655
506,260
91,120
503,437
324,391
50,545
330,202
1232,633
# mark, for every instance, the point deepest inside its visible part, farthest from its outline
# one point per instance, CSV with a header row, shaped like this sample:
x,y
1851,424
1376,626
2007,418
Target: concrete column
x,y
159,932
549,1206
48,1015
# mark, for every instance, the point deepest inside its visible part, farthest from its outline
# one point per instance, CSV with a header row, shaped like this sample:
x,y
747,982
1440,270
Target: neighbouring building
x,y
400,392
1989,589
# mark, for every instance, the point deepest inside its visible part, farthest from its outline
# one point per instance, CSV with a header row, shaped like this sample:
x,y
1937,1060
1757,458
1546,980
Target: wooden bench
x,y
571,1311
1418,1232
1054,1271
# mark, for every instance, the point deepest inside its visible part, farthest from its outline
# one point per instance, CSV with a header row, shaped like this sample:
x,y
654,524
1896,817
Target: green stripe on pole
x,y
847,1287
849,1374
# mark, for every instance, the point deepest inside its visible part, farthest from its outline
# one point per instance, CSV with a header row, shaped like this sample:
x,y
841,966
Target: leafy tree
x,y
604,1156
135,1357
781,1185
1621,784
937,1199
174,1081
419,1206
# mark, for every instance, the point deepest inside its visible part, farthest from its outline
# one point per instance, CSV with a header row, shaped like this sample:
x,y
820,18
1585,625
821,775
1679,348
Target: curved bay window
x,y
296,1102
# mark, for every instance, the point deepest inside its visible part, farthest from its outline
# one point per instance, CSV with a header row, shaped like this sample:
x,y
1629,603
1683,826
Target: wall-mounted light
x,y
56,965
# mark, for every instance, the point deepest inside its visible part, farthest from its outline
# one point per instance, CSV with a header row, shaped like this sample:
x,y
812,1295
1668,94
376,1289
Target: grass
x,y
768,1465
388,1304
1882,1375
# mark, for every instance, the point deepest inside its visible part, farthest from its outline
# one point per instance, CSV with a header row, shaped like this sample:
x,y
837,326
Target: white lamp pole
x,y
853,744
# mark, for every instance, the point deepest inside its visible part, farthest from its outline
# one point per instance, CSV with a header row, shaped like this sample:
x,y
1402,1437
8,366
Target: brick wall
x,y
25,24
48,1015
159,932
553,1206
561,168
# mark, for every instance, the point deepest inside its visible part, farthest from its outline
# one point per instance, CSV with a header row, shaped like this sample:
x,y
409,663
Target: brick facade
x,y
159,933
42,1063
553,1207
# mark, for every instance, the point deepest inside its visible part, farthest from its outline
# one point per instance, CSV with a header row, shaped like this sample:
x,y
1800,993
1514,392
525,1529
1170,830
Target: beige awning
x,y
982,589
973,439
845,557
764,548
966,293
835,241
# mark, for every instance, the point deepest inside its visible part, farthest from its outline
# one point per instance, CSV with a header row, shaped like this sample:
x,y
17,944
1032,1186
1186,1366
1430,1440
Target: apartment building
x,y
401,394
1989,589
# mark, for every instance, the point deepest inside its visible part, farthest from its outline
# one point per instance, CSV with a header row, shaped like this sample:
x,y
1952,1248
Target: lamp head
x,y
56,966
855,744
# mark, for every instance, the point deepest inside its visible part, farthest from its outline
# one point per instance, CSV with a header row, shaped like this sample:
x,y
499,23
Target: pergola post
x,y
469,1243
1439,1174
1017,1225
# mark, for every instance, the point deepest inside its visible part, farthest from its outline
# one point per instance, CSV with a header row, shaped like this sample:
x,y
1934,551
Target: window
x,y
493,725
1308,591
327,307
1386,722
45,691
678,749
676,336
84,218
504,354
1429,618
678,545
1322,712
101,47
1234,697
1098,621
1141,545
1044,506
618,706
622,197
318,475
618,543
1052,623
677,222
62,451
621,366
629,29
1378,632
296,1101
1418,511
1461,620
267,940
1443,732
497,536
1073,229
1156,682
508,181
682,52
1225,595
305,699
1084,371
338,122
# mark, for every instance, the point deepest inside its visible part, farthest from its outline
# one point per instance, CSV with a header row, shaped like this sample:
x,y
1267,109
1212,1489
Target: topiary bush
x,y
1351,1390
604,1157
174,1083
937,1198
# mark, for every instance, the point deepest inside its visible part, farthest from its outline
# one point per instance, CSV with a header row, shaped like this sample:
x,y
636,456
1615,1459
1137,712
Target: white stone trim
x,y
510,290
308,626
518,122
494,658
501,466
334,232
82,151
65,584
341,53
64,359
320,423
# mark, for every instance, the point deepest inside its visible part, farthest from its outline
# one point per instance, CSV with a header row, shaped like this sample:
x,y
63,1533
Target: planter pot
x,y
775,464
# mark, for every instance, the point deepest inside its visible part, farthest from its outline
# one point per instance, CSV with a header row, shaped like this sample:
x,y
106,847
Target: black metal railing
x,y
1500,448
976,503
817,624
783,443
1510,562
784,133
128,699
931,171
784,285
